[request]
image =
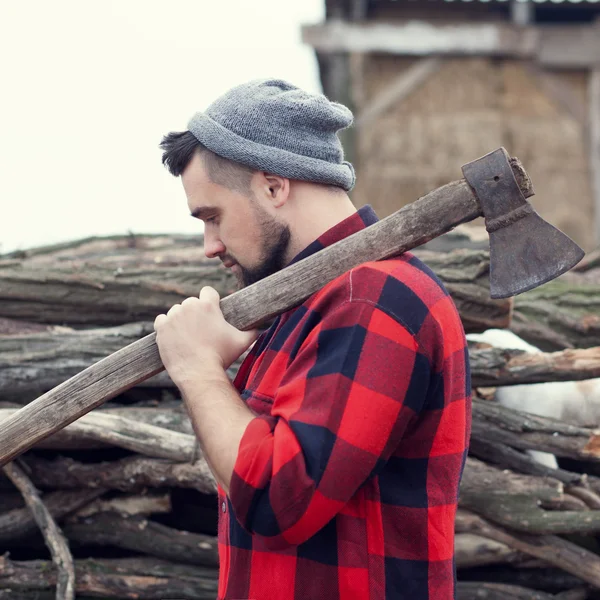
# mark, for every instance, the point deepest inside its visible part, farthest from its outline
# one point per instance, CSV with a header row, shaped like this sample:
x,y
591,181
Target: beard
x,y
274,240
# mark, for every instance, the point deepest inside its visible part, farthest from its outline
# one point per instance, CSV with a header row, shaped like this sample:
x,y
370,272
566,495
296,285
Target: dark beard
x,y
276,239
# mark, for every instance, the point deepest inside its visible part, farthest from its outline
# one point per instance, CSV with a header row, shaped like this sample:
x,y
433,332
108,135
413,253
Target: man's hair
x,y
179,149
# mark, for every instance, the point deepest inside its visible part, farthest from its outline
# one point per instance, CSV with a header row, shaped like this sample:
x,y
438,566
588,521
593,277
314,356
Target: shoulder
x,y
403,287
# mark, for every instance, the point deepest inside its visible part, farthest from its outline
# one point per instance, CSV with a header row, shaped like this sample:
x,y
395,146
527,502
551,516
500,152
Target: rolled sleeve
x,y
356,383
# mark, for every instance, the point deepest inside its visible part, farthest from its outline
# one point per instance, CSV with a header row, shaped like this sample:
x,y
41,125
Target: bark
x,y
146,439
543,578
473,551
130,474
564,313
19,522
480,590
495,423
31,364
34,363
499,366
518,502
56,542
111,291
168,416
151,579
144,536
102,294
130,505
550,548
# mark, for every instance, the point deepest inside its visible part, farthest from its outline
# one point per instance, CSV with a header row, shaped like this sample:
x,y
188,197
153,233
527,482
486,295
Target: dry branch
x,y
57,544
493,423
499,366
33,363
552,549
130,474
19,522
144,536
147,578
480,590
130,505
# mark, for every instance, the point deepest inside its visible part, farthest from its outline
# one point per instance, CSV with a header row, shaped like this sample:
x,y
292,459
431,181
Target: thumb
x,y
247,338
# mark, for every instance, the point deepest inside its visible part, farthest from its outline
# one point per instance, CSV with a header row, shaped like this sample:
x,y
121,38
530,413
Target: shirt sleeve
x,y
347,397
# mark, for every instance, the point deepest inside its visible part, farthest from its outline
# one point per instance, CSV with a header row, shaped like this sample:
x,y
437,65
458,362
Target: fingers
x,y
159,321
210,295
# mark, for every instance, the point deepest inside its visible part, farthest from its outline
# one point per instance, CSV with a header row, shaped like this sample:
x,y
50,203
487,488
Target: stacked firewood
x,y
121,504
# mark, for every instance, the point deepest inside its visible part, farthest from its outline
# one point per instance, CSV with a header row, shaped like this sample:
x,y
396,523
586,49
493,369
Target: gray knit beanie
x,y
271,125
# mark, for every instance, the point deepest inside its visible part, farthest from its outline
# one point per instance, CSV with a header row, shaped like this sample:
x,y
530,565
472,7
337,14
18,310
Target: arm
x,y
219,417
356,384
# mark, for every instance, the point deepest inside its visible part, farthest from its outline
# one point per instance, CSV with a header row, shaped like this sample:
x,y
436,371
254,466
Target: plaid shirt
x,y
346,482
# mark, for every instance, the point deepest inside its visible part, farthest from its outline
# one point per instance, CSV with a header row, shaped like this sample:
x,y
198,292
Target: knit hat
x,y
271,125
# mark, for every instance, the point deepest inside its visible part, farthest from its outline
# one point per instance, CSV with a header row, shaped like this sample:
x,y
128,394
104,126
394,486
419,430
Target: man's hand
x,y
193,337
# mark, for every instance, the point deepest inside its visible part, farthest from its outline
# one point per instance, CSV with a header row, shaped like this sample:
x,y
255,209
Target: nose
x,y
213,246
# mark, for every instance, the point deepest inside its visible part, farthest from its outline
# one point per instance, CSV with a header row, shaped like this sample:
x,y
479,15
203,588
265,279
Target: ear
x,y
276,189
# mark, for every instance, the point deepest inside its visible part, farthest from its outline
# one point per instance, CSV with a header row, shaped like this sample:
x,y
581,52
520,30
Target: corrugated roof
x,y
506,1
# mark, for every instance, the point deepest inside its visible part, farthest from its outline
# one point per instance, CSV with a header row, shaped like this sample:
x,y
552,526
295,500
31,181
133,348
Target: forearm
x,y
219,417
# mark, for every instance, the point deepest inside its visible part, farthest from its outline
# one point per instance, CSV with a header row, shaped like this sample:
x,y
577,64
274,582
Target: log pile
x,y
121,504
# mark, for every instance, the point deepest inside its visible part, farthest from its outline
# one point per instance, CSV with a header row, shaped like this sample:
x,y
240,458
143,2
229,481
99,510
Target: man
x,y
339,448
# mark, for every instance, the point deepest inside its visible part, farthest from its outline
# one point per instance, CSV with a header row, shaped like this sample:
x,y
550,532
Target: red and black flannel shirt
x,y
346,482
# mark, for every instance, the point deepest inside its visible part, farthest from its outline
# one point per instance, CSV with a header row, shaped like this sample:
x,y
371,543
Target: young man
x,y
339,448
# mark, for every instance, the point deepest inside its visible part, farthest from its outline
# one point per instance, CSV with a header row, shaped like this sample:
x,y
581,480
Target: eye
x,y
210,220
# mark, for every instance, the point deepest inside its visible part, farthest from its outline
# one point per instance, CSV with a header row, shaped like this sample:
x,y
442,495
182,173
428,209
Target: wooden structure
x,y
435,83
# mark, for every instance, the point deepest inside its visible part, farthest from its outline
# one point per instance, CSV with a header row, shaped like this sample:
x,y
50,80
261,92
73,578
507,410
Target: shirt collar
x,y
361,219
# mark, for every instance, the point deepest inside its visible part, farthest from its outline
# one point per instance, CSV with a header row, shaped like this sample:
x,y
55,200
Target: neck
x,y
311,211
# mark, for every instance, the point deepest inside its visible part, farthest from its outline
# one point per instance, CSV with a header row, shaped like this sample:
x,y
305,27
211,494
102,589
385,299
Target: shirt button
x,y
223,507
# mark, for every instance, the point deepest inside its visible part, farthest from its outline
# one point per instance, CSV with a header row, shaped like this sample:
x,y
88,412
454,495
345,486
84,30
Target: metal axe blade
x,y
525,250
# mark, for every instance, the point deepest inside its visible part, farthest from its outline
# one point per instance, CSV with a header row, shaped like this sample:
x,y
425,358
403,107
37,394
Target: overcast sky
x,y
89,87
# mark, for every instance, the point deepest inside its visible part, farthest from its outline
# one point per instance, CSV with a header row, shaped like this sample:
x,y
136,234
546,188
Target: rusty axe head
x,y
525,250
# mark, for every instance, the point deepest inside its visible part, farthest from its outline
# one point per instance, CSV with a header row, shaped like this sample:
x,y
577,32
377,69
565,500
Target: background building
x,y
438,83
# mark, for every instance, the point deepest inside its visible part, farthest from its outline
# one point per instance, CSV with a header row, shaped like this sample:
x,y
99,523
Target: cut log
x,y
53,536
130,505
130,474
19,522
552,549
102,295
564,313
168,417
499,366
34,363
31,364
151,579
495,423
518,501
481,590
149,440
543,578
473,551
144,536
105,295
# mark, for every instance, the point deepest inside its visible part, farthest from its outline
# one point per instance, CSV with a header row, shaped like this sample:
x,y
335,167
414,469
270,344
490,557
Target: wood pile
x,y
121,504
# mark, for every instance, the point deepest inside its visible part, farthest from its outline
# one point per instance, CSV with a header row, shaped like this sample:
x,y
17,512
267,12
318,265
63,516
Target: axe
x,y
525,252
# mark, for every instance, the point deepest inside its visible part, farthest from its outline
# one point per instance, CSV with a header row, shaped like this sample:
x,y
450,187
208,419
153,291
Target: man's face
x,y
237,229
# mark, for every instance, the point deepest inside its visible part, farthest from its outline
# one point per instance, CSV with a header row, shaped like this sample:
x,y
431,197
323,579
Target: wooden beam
x,y
420,38
401,87
561,94
556,46
594,140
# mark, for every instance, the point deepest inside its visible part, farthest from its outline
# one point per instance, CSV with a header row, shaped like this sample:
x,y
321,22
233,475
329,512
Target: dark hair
x,y
179,149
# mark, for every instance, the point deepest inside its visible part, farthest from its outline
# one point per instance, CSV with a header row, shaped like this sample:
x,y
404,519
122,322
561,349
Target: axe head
x,y
525,250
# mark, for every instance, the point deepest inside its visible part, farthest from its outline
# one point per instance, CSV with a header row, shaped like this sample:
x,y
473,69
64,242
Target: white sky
x,y
89,87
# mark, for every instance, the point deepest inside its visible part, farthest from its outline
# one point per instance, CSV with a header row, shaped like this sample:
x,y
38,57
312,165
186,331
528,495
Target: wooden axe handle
x,y
429,217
